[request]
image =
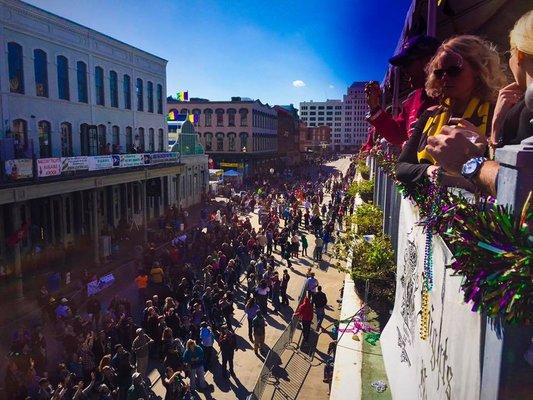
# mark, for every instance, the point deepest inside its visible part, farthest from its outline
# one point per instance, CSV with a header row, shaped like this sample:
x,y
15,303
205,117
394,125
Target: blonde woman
x,y
511,123
464,75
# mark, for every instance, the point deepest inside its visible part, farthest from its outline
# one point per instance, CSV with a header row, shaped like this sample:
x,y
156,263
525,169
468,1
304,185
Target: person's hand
x,y
451,149
471,132
373,95
508,96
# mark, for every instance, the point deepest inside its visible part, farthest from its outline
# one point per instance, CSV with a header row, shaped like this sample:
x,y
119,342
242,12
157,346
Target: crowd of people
x,y
461,109
187,294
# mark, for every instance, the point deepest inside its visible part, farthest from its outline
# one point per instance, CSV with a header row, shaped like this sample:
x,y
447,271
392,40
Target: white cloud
x,y
298,83
331,87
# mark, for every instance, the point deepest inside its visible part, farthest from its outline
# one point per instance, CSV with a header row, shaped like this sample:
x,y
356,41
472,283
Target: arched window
x,y
63,89
208,141
140,94
139,140
16,67
126,88
45,139
208,113
40,66
244,116
244,141
161,139
102,139
66,139
113,88
231,116
116,138
129,139
196,112
159,99
151,140
88,140
231,141
150,96
220,141
20,137
184,111
81,68
220,116
99,85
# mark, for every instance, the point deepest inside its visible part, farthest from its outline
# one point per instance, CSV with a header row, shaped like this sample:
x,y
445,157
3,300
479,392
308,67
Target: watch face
x,y
470,167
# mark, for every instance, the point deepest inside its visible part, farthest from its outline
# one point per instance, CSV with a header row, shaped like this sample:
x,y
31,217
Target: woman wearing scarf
x,y
464,75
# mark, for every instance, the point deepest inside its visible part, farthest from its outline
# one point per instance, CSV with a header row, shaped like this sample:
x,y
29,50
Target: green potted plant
x,y
369,219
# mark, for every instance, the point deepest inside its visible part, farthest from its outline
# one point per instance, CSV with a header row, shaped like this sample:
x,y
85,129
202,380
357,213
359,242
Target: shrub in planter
x,y
374,261
364,170
365,189
369,219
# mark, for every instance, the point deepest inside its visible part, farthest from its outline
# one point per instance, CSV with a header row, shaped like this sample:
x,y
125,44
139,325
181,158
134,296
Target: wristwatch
x,y
471,168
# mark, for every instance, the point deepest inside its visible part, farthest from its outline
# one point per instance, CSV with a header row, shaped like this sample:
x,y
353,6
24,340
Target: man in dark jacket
x,y
228,345
320,301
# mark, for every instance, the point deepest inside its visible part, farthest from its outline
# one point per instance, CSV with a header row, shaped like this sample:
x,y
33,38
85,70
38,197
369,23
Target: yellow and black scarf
x,y
476,112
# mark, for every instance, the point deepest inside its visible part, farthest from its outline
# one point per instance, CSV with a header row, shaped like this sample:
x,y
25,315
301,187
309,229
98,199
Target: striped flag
x,y
183,96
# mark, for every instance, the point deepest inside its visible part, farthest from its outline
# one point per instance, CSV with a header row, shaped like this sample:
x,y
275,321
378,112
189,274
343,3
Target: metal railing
x,y
275,353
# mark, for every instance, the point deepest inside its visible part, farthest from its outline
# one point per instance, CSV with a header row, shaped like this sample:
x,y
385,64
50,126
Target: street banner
x,y
79,163
21,168
98,285
131,160
231,165
158,158
439,359
100,162
48,167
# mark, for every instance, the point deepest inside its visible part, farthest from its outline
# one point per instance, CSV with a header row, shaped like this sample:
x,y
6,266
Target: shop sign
x,y
19,169
168,157
79,163
100,284
231,165
48,167
131,160
100,162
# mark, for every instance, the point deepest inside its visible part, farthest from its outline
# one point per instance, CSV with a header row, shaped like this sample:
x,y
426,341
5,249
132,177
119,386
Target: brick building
x,y
314,139
288,135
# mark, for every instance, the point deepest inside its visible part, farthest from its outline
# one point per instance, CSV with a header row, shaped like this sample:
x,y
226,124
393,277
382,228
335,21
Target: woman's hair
x,y
190,344
482,57
521,36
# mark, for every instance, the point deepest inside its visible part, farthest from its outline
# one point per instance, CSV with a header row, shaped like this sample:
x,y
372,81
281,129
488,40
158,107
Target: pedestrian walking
x,y
320,301
140,347
251,310
193,357
228,344
283,287
259,325
305,313
305,244
207,339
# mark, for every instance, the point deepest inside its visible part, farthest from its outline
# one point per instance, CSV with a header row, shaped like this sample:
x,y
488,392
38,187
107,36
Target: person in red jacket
x,y
305,313
412,59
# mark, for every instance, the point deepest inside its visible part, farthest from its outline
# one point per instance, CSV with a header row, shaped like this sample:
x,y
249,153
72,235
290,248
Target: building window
x,y
139,140
231,117
81,71
116,138
220,117
151,140
208,141
16,68
40,65
220,141
320,107
244,141
150,96
129,139
102,140
20,137
45,139
99,85
89,140
208,116
126,88
231,141
66,139
139,91
113,88
244,116
62,78
161,139
159,99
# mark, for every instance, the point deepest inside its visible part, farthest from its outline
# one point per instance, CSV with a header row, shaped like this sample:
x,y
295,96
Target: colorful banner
x,y
19,169
98,285
74,164
131,160
158,158
183,96
48,167
100,162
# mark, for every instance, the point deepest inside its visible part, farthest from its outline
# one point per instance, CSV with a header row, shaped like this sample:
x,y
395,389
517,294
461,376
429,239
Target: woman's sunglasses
x,y
452,72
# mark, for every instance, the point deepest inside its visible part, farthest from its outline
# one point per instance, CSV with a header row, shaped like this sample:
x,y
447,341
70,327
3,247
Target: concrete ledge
x,y
346,382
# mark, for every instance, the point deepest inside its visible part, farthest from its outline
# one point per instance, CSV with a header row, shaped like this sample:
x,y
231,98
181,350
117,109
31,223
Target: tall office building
x,y
345,117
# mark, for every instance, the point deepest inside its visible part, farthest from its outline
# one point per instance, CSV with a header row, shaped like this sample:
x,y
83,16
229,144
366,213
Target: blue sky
x,y
256,48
